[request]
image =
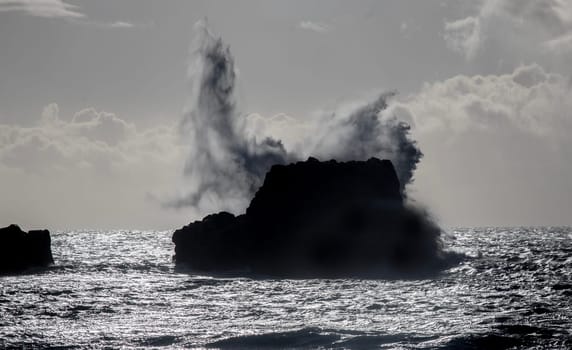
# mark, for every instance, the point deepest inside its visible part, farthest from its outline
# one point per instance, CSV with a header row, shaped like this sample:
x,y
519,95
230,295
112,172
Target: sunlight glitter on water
x,y
120,289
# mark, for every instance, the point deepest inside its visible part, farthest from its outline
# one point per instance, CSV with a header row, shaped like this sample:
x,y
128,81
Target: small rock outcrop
x,y
316,219
21,250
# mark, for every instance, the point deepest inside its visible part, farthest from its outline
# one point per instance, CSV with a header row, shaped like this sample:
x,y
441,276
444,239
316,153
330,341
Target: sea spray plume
x,y
367,132
224,166
312,218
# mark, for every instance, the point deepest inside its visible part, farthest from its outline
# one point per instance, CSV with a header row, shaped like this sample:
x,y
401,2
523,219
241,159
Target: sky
x,y
92,95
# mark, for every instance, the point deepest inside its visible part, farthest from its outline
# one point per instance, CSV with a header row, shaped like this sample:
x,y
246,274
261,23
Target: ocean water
x,y
112,289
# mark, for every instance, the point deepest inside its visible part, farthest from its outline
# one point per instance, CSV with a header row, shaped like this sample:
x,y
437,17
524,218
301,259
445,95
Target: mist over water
x,y
226,165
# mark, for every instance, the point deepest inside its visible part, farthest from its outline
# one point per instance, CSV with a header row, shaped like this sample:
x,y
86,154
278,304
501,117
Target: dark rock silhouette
x,y
21,250
317,219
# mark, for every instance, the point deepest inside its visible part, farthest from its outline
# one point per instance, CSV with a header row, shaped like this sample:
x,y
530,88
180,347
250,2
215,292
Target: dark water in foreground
x,y
119,289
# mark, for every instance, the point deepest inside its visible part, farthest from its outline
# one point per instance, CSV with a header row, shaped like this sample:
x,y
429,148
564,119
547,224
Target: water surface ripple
x,y
119,289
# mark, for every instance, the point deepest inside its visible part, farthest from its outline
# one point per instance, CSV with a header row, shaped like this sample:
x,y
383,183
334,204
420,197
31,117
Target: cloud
x,y
317,27
121,24
497,151
525,24
94,169
560,45
94,139
56,9
42,8
497,147
529,98
464,36
291,131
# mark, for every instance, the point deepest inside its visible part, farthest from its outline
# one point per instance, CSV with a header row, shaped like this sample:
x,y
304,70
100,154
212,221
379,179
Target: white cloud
x,y
497,152
121,24
529,98
42,8
464,36
94,170
525,24
291,131
317,27
560,45
497,147
56,9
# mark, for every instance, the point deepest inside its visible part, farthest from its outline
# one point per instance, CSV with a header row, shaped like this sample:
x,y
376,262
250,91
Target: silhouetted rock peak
x,y
20,250
312,219
315,181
